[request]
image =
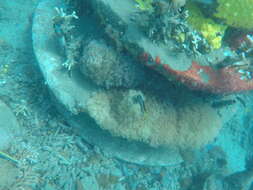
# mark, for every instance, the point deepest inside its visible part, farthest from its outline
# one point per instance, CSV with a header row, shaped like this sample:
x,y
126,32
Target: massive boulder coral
x,y
142,116
107,68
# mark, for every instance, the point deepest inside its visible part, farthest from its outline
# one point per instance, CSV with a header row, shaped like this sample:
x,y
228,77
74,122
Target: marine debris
x,y
9,158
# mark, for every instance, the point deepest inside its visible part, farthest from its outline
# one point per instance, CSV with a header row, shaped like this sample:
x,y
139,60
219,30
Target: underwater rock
x,y
241,180
236,181
108,68
213,182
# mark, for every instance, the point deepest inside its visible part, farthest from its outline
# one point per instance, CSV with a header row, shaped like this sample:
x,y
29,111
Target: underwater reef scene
x,y
126,95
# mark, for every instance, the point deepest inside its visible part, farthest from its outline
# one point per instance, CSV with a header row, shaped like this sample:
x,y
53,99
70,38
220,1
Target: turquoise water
x,y
102,95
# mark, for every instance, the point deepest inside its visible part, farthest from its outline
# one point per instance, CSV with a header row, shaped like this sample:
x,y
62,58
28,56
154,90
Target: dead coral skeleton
x,y
21,109
26,180
63,23
168,24
64,29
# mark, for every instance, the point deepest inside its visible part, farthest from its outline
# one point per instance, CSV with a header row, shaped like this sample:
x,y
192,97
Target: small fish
x,y
139,100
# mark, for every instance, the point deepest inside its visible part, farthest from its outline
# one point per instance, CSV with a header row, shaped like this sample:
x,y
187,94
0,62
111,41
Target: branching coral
x,y
64,28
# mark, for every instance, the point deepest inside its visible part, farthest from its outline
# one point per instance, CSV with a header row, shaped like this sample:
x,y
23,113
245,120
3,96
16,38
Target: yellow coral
x,y
236,13
211,32
209,29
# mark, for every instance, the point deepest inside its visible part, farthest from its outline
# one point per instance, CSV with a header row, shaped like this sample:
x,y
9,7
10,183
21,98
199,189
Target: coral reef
x,y
235,13
187,125
210,30
164,23
168,23
105,67
169,45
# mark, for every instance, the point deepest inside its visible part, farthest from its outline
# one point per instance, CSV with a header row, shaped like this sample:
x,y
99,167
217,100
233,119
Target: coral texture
x,y
236,13
210,30
190,125
103,65
145,5
178,3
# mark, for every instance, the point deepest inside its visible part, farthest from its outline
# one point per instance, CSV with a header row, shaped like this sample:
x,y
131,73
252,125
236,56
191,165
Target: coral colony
x,y
200,28
194,44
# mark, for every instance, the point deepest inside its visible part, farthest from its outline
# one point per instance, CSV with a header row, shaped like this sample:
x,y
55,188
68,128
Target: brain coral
x,y
236,13
190,125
